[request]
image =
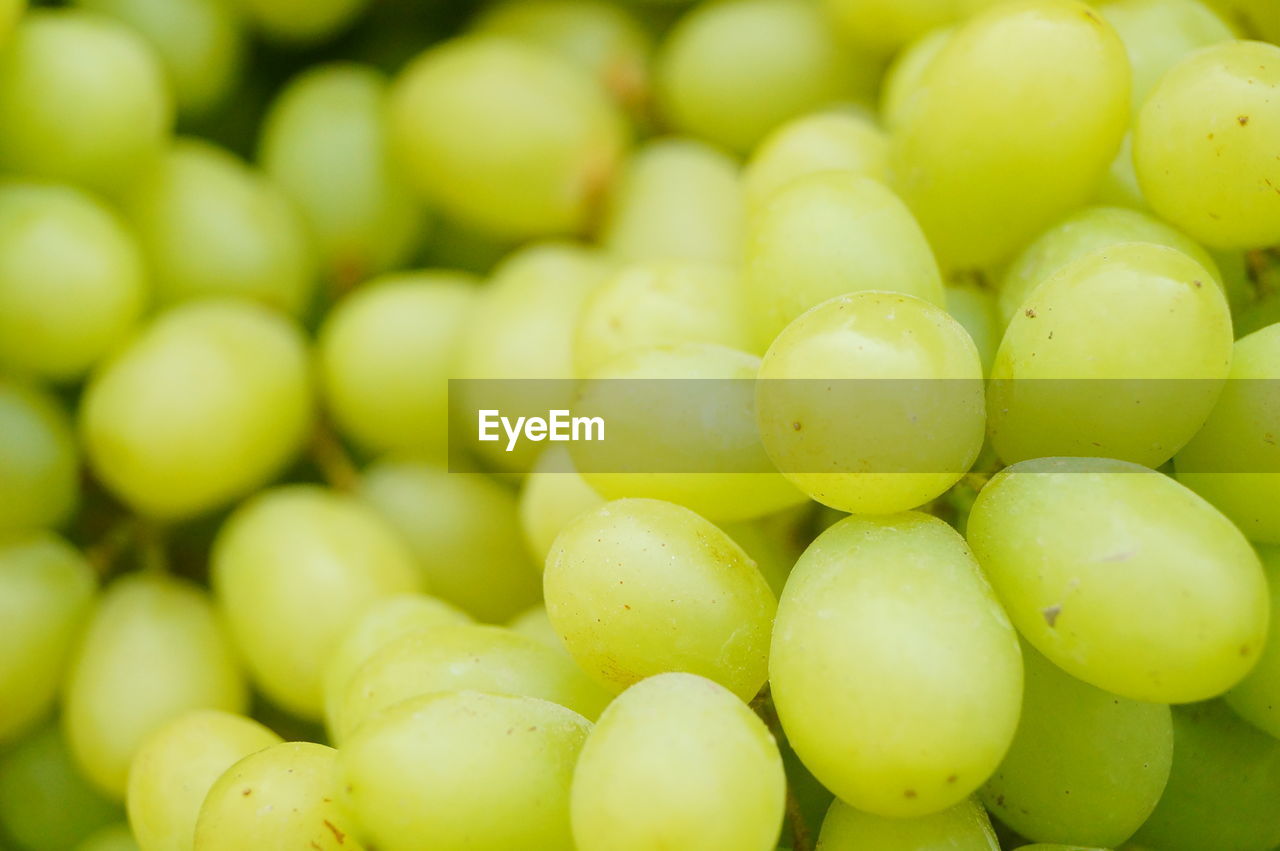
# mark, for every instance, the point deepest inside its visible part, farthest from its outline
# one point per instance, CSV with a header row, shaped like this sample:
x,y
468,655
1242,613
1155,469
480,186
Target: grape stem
x,y
332,459
103,554
152,552
801,837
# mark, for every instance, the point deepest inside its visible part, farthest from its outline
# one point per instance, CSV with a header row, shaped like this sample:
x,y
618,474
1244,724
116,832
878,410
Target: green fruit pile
x,y
262,588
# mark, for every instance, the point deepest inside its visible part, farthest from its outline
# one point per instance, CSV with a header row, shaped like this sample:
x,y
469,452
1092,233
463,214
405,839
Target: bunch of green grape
x,y
943,340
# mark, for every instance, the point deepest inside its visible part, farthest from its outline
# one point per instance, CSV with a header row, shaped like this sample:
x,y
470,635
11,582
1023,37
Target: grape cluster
x,y
262,588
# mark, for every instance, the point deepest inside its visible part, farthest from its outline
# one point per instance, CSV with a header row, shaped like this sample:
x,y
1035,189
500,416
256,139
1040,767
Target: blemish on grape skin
x,y
1051,614
1030,313
1243,119
337,834
909,793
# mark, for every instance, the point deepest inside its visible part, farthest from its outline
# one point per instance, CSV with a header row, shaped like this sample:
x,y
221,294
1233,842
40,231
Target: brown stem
x,y
801,836
331,457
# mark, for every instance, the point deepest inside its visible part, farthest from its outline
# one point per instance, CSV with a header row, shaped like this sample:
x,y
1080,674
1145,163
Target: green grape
x,y
774,542
904,78
301,22
1085,766
45,803
900,602
175,768
676,199
1233,461
46,588
659,303
1222,788
1054,846
1157,34
208,403
303,537
39,475
832,140
1144,314
534,623
730,72
82,99
963,827
1256,698
1122,577
523,328
201,44
828,234
1119,186
72,282
113,837
10,13
663,428
1084,232
464,657
551,495
324,141
464,531
600,38
638,587
1204,145
211,225
976,309
466,770
884,26
386,353
382,623
910,412
677,761
1259,18
504,136
154,649
1011,126
287,797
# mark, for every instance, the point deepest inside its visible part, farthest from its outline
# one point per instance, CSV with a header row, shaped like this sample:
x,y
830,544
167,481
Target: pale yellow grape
x,y
505,136
115,837
774,542
1204,145
466,770
211,225
339,550
201,44
46,588
324,141
39,472
1122,577
677,761
287,797
1222,788
175,768
976,308
681,417
522,328
676,199
1054,846
10,12
1157,34
602,39
730,72
1234,460
1143,313
898,601
1086,766
552,494
828,234
904,78
72,281
464,532
386,353
824,141
382,622
207,403
883,26
1014,123
1119,186
1084,232
534,623
83,99
1257,697
963,827
659,303
464,657
640,587
301,22
1259,18
153,649
905,403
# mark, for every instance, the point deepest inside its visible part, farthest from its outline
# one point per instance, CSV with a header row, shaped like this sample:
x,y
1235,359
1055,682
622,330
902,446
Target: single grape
x,y
153,650
1119,187
1256,698
774,542
113,837
303,537
39,473
466,769
976,309
534,623
1157,34
46,588
551,495
301,22
1259,18
831,140
639,587
10,12
175,768
72,280
1122,577
904,78
963,827
900,602
209,402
